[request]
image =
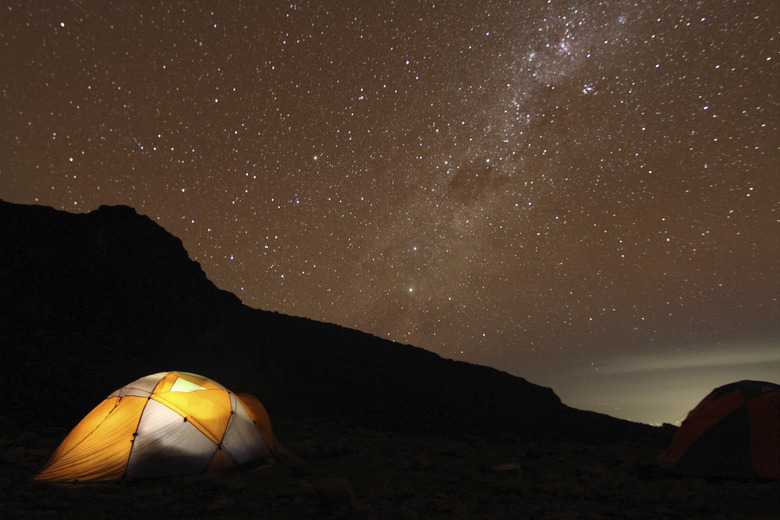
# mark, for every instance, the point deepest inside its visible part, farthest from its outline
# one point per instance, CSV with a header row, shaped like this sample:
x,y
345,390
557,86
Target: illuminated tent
x,y
733,432
165,424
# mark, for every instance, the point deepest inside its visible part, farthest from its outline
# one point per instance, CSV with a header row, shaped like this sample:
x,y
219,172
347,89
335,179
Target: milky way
x,y
549,188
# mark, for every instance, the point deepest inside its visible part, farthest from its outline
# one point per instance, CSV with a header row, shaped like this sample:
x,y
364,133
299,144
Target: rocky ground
x,y
351,473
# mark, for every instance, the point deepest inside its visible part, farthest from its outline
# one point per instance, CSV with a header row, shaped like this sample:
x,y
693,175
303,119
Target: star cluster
x,y
538,186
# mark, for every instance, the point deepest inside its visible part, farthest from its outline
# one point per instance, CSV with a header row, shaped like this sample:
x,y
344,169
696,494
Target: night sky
x,y
583,193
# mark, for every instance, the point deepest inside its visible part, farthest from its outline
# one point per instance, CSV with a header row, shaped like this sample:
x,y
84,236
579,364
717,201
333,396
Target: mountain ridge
x,y
95,300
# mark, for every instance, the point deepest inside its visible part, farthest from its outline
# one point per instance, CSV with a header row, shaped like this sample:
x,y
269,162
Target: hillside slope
x,y
93,301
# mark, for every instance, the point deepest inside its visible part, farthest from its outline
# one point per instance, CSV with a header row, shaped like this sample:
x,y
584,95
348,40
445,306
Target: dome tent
x,y
164,424
733,432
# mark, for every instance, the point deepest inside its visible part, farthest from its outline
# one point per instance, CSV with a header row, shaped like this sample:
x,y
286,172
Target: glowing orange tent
x,y
164,424
733,432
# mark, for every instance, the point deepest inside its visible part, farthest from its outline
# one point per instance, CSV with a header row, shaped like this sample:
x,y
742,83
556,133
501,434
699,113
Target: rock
x,y
38,454
401,513
12,456
338,450
455,450
336,493
507,467
419,463
534,451
221,503
506,438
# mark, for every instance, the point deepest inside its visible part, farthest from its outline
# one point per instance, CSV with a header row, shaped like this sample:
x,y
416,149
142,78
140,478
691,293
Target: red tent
x,y
733,432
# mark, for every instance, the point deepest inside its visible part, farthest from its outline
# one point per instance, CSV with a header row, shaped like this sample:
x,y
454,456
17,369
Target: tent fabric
x,y
733,432
164,424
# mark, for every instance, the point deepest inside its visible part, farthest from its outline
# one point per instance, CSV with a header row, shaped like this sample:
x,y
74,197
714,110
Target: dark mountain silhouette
x,y
90,302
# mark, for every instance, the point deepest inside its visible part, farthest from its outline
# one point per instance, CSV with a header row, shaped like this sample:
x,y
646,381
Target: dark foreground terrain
x,y
357,473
